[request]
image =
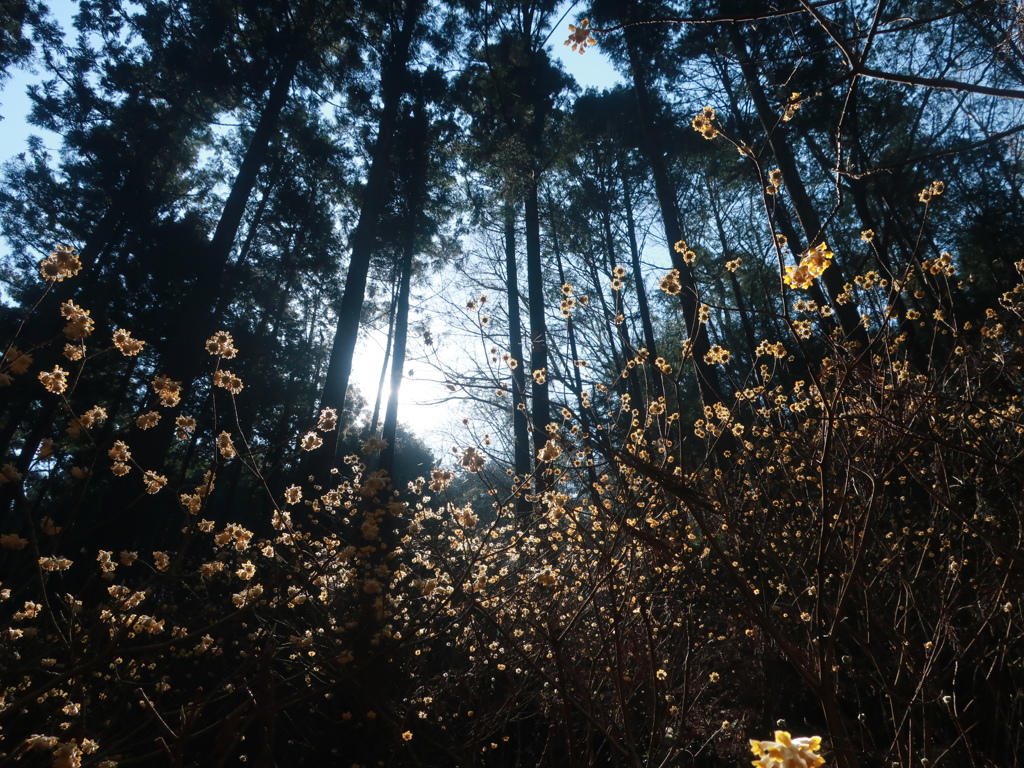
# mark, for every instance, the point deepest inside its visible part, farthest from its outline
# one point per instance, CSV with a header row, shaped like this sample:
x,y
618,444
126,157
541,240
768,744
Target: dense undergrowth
x,y
835,547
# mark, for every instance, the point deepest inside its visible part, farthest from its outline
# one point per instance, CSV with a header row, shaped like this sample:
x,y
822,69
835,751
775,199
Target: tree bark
x,y
224,235
540,404
657,386
707,379
520,421
394,84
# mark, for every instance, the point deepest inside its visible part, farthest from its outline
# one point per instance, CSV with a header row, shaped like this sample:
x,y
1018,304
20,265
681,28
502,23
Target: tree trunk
x,y
541,406
396,289
520,421
584,412
707,379
394,84
657,386
255,156
415,193
390,430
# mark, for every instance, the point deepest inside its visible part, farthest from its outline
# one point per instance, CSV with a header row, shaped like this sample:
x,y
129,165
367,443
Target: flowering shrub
x,y
841,529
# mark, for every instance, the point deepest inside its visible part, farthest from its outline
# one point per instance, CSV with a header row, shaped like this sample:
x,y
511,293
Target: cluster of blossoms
x,y
183,427
226,446
80,325
62,263
704,124
549,452
580,37
373,445
147,420
774,182
813,263
472,460
440,479
227,380
717,356
935,189
88,420
774,349
787,752
153,481
126,345
55,381
943,265
617,275
670,283
221,345
792,105
167,390
120,454
235,535
328,420
685,251
9,474
14,362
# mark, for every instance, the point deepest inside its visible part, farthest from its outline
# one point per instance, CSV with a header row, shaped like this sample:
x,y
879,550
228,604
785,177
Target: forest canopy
x,y
736,345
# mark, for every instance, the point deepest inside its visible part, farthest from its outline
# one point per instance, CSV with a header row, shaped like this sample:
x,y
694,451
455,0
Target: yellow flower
x,y
55,381
153,481
934,190
373,445
440,479
221,345
168,390
792,105
787,752
227,380
60,264
472,460
813,263
15,361
226,446
125,344
246,571
293,494
703,124
685,251
79,324
184,426
580,37
328,420
147,420
670,283
549,452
